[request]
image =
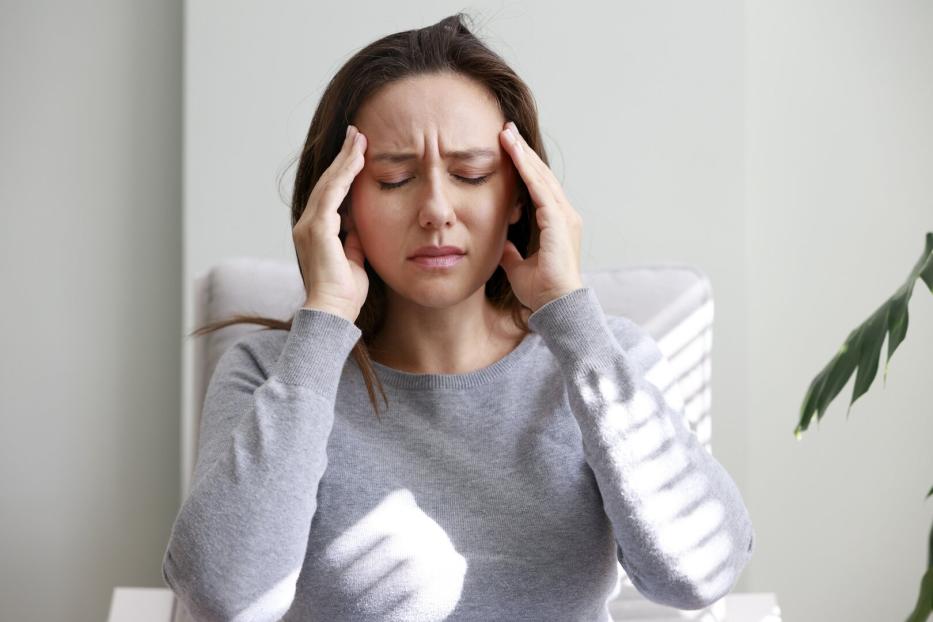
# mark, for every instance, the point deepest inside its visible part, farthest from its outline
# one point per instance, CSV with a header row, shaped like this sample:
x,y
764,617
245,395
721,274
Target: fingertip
x,y
511,137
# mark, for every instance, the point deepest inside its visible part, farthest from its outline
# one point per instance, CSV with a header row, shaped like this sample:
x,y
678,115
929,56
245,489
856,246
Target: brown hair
x,y
447,46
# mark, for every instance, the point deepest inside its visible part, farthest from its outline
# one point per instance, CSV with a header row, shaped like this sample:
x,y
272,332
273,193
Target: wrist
x,y
553,295
338,310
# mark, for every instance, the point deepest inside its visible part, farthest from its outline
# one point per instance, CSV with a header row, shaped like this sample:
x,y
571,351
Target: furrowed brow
x,y
463,154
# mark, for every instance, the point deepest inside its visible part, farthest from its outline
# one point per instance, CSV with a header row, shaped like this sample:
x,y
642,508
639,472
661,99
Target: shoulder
x,y
251,355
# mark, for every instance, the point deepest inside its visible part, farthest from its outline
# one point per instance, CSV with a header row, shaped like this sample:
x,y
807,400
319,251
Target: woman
x,y
523,450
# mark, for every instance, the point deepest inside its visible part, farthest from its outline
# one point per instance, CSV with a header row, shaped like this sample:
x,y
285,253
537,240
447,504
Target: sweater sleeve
x,y
682,530
240,537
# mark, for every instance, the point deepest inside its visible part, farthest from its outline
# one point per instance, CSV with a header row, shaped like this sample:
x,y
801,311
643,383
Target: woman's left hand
x,y
554,269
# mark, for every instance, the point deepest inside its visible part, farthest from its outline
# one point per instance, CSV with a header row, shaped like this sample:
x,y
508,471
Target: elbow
x,y
198,604
680,595
693,597
704,593
209,600
692,594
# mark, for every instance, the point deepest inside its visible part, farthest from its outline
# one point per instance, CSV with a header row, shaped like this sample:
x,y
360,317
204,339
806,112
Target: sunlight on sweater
x,y
275,602
635,429
406,563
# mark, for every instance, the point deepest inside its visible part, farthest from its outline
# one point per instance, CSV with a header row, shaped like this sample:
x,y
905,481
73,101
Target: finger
x,y
336,186
546,175
353,145
541,194
339,161
545,172
549,207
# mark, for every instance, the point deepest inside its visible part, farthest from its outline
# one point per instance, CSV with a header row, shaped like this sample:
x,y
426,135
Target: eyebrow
x,y
463,154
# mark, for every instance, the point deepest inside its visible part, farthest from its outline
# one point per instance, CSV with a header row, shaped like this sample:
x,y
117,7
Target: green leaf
x,y
930,552
924,606
862,348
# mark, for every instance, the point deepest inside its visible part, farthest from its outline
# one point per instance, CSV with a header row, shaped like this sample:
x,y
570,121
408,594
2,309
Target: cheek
x,y
361,206
368,214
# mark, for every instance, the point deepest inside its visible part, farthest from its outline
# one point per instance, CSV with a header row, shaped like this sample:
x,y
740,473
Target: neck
x,y
451,340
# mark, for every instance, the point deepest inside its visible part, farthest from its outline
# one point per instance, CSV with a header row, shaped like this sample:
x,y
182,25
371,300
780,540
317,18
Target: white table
x,y
154,604
141,604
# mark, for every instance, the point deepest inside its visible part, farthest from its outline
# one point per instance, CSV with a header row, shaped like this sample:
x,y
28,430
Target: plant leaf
x,y
862,348
897,323
924,606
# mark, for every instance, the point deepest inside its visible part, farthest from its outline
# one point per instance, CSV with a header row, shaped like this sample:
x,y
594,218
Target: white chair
x,y
673,303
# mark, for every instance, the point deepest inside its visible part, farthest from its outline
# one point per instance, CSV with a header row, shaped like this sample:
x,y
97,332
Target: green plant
x,y
861,350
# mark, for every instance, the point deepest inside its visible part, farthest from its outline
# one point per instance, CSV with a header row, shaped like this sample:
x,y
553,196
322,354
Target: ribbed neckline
x,y
408,380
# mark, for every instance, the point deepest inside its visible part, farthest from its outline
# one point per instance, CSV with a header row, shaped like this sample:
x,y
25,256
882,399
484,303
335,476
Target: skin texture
x,y
439,321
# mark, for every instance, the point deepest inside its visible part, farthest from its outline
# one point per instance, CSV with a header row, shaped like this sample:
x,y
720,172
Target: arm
x,y
239,540
682,530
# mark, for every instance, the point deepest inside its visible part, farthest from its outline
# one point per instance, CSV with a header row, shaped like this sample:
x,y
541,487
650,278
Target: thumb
x,y
510,257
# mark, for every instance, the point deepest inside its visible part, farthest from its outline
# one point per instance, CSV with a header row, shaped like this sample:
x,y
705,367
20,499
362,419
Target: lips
x,y
436,251
438,262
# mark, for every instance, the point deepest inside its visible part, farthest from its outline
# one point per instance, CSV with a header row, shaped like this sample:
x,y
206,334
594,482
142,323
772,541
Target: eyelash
x,y
474,181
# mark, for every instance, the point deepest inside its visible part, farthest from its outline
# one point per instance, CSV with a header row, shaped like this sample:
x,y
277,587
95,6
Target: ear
x,y
516,213
346,219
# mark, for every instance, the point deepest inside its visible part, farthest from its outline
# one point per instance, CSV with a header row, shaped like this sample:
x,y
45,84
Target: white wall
x,y
840,194
90,284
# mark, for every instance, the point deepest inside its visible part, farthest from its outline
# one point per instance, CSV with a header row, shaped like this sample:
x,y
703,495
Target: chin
x,y
434,296
434,293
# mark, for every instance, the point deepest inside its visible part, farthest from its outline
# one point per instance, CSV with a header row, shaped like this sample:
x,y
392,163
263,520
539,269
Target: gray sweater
x,y
505,493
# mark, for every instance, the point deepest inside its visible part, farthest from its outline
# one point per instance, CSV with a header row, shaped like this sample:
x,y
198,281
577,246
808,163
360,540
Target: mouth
x,y
437,251
437,261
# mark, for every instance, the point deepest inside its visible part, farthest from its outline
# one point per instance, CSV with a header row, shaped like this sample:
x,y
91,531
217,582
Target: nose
x,y
436,210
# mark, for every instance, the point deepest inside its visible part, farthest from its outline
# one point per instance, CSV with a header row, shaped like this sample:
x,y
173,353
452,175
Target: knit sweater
x,y
505,493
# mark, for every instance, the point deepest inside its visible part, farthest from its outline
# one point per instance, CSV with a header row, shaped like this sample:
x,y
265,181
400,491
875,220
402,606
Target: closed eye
x,y
475,181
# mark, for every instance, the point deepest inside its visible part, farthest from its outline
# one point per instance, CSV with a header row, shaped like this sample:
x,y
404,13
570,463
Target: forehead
x,y
454,110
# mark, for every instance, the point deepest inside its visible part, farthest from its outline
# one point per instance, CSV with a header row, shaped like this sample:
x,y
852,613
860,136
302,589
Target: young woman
x,y
525,443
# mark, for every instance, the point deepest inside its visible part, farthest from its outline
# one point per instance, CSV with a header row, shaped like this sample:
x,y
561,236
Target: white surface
x,y
135,604
753,607
736,607
141,604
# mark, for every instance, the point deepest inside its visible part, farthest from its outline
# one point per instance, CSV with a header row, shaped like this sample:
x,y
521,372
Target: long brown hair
x,y
447,46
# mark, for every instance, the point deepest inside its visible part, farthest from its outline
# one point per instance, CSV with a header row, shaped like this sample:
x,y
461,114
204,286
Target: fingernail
x,y
349,128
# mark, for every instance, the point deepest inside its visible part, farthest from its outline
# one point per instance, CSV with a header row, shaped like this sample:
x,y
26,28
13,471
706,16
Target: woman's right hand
x,y
334,277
